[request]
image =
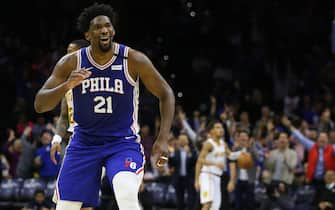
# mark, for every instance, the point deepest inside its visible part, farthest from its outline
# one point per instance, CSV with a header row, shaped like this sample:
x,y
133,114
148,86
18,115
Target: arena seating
x,y
15,193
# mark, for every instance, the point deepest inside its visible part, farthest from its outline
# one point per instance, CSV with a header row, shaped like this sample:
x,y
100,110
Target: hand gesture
x,y
27,131
270,126
77,76
224,116
181,115
251,142
213,100
286,122
11,135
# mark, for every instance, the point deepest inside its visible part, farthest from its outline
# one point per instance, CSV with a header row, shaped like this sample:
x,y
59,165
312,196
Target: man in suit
x,y
246,177
326,198
282,161
183,162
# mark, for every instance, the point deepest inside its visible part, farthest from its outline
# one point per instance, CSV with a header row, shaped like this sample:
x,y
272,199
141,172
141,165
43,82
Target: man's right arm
x,y
206,148
302,139
62,79
297,134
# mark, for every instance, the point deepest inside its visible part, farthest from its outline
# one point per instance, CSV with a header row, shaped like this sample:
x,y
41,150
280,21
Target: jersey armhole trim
x,y
78,60
125,64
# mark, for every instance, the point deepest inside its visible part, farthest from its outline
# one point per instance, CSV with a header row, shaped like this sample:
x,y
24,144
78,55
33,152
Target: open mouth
x,y
104,40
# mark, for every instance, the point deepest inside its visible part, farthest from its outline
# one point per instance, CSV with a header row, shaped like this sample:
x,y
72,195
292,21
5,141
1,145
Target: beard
x,y
105,47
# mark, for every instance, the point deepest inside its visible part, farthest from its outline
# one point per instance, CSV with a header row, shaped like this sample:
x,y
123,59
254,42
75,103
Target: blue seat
x,y
170,196
158,191
29,187
9,189
50,188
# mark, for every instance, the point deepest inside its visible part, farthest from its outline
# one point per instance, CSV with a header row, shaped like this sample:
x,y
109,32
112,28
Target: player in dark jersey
x,y
104,78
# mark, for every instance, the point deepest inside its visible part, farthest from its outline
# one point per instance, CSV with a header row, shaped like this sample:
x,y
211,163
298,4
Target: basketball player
x,y
210,165
104,78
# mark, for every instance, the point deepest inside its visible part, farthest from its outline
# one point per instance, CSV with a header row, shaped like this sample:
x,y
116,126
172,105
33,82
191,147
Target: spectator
x,y
47,170
39,202
13,149
260,187
245,184
326,196
325,123
273,201
282,161
244,122
25,165
303,194
321,155
39,126
4,167
183,161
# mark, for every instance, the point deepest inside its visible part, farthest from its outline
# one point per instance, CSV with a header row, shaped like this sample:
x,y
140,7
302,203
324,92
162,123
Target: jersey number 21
x,y
103,105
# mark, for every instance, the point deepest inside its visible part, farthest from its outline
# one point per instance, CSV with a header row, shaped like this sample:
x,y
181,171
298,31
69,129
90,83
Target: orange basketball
x,y
245,161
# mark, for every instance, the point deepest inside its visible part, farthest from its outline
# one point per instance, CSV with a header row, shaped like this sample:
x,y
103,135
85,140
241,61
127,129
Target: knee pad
x,y
126,186
68,205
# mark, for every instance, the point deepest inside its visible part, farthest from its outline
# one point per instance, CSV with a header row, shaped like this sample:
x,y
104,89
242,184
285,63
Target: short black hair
x,y
243,130
89,13
46,130
211,124
81,43
39,191
277,134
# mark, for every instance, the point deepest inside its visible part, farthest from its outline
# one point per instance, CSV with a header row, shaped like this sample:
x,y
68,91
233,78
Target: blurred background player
x,y
210,165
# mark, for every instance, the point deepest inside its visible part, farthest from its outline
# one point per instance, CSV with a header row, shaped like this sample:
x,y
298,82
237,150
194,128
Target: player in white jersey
x,y
210,165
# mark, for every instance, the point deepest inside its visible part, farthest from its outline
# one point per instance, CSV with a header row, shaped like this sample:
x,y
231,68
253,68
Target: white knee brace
x,y
126,186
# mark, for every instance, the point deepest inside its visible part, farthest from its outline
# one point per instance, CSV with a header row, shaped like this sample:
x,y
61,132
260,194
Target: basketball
x,y
245,161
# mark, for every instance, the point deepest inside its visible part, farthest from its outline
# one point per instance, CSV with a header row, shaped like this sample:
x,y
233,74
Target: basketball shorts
x,y
210,189
80,176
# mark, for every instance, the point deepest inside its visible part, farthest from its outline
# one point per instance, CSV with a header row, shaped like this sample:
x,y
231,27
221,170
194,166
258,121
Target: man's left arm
x,y
141,67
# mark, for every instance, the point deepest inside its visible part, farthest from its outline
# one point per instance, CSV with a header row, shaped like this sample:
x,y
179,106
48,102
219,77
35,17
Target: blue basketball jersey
x,y
106,103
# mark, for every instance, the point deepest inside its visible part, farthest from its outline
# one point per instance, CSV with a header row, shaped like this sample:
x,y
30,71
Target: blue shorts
x,y
80,175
